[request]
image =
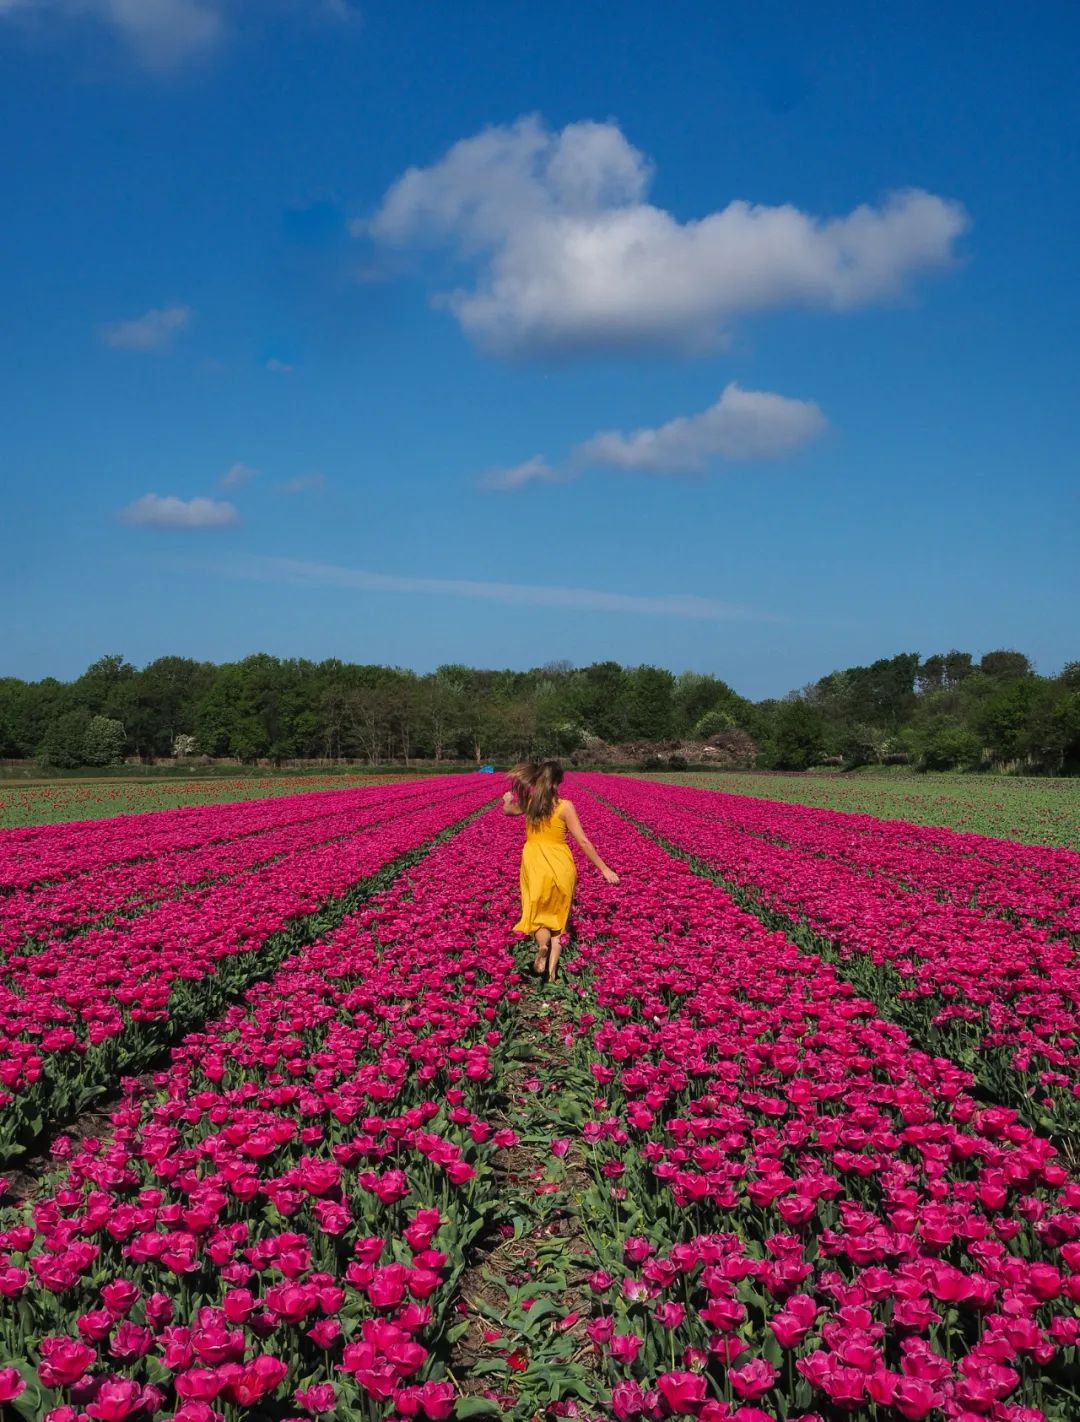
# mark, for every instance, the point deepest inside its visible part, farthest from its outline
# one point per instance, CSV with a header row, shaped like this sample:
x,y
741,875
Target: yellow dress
x,y
548,876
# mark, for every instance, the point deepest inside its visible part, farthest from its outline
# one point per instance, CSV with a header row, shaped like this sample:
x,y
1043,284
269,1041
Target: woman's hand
x,y
610,877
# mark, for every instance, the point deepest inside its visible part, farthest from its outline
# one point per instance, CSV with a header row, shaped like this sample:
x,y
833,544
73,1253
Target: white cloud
x,y
153,331
236,475
303,483
680,605
155,511
569,256
279,367
533,470
742,425
162,33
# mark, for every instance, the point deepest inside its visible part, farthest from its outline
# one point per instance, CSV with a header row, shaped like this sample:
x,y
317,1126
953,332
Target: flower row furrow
x,y
277,1226
999,997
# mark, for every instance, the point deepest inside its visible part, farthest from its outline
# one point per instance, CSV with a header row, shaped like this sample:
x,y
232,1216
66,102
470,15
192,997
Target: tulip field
x,y
290,1133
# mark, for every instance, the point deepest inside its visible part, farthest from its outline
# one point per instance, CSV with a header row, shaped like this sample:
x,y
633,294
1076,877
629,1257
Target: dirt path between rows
x,y
525,1301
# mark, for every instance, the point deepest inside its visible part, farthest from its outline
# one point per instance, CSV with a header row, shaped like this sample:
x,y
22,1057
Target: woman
x,y
548,872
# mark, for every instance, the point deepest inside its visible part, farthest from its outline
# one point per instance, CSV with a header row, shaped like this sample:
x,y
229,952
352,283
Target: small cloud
x,y
741,425
303,484
279,367
157,511
536,469
237,475
155,330
162,34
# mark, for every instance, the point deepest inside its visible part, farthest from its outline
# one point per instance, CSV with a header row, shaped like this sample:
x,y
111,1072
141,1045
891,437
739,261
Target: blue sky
x,y
726,337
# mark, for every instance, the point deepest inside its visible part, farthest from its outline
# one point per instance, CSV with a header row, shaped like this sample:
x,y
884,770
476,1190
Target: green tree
x,y
713,723
864,744
651,709
1005,665
228,720
944,671
161,702
1068,721
1004,720
63,744
103,741
946,745
598,698
27,709
799,735
441,712
101,687
697,693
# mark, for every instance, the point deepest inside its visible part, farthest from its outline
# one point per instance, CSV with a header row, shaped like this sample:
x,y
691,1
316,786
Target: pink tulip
x,y
12,1384
63,1361
683,1392
115,1400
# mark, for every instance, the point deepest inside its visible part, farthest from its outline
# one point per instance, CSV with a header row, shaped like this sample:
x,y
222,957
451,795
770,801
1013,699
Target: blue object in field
x,y
487,770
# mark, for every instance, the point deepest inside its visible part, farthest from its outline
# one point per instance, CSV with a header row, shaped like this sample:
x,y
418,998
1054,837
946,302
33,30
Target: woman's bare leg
x,y
553,956
543,940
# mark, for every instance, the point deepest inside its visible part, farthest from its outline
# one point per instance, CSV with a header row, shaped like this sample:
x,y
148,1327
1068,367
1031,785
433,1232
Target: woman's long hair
x,y
535,787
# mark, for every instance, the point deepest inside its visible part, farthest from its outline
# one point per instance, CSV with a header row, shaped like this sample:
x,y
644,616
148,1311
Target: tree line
x,y
946,711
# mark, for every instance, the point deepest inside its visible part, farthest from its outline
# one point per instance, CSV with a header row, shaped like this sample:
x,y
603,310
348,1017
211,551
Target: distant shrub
x,y
950,747
712,724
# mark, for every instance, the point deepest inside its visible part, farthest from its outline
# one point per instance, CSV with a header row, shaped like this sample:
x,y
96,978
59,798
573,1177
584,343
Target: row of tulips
x,y
794,1213
40,854
77,1014
275,1229
997,996
66,906
1030,883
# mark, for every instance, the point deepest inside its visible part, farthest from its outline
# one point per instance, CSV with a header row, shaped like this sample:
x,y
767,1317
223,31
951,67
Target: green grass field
x,y
51,802
1031,810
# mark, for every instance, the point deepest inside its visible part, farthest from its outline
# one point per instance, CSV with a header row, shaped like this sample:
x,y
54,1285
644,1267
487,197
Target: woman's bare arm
x,y
510,805
573,824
